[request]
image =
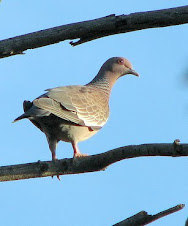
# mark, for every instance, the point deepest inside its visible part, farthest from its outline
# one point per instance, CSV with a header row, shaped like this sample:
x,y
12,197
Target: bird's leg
x,y
77,153
54,158
52,146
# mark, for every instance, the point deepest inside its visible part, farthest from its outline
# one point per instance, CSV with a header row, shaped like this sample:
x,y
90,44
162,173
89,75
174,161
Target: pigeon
x,y
75,113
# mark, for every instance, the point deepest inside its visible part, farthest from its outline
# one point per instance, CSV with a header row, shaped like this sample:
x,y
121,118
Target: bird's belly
x,y
75,133
59,129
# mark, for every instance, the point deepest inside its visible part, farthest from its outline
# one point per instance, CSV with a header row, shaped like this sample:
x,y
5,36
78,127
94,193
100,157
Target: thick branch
x,y
143,218
90,163
93,29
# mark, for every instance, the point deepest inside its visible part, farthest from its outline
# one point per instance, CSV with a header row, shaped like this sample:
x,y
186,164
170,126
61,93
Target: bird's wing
x,y
83,105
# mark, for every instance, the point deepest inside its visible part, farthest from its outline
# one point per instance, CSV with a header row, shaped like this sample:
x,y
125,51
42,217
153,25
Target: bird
x,y
75,113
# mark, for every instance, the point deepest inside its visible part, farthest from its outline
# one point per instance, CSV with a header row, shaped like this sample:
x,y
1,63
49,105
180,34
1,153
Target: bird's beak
x,y
133,72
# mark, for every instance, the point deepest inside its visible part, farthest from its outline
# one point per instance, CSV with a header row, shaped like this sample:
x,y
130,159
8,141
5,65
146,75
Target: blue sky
x,y
149,109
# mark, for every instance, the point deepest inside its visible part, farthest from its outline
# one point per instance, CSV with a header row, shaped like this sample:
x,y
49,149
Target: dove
x,y
75,113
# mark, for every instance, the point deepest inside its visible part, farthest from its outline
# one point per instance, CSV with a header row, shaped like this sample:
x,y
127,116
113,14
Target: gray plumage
x,y
75,113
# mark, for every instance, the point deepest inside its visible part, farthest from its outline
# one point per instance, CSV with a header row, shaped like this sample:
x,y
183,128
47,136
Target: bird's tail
x,y
26,106
20,117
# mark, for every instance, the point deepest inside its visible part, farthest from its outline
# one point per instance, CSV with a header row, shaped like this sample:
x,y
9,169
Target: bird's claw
x,y
78,156
54,159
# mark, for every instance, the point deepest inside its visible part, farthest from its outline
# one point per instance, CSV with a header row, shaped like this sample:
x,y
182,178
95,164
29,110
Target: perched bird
x,y
75,113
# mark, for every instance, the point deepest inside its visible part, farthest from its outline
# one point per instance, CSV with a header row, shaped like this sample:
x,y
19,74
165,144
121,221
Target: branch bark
x,y
94,29
143,218
90,163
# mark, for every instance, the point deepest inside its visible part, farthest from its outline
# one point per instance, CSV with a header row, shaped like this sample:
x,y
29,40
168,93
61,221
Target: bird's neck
x,y
102,82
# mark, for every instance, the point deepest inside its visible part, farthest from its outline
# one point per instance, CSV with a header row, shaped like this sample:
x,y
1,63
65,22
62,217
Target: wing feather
x,y
83,105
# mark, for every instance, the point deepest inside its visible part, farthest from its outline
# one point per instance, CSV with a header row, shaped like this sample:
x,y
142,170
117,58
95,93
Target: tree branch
x,y
90,163
143,218
94,29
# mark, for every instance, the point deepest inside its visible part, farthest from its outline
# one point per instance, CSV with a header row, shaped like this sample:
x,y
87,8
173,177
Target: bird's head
x,y
119,66
113,69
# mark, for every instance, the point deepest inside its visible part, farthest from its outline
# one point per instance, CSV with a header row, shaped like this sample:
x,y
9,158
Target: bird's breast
x,y
69,133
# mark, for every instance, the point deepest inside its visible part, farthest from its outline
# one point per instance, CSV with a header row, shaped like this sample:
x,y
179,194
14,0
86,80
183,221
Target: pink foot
x,y
80,155
77,153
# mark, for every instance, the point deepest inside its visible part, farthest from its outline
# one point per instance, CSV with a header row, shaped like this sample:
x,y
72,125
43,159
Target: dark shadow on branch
x,y
93,29
90,163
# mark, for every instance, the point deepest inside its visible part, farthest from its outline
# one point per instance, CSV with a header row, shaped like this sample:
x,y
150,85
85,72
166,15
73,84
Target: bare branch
x,y
143,218
90,163
94,29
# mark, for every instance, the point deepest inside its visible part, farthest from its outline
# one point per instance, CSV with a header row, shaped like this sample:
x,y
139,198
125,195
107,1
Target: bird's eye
x,y
120,61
